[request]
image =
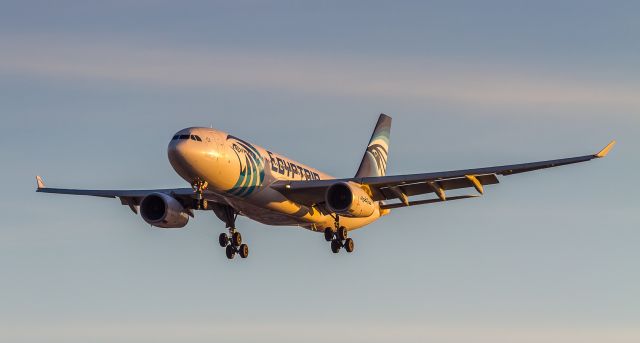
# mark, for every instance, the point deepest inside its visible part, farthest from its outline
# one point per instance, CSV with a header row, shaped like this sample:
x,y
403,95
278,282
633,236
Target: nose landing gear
x,y
339,238
198,187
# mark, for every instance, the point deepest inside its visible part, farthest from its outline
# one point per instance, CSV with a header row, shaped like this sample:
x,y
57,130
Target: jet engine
x,y
349,199
162,210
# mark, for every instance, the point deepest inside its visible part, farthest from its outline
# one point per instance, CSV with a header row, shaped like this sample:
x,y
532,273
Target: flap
x,y
418,188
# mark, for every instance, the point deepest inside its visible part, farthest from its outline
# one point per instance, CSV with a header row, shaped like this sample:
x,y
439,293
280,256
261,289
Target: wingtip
x,y
604,152
40,182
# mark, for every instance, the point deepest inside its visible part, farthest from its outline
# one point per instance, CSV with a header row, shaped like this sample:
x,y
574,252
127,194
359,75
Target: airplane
x,y
230,176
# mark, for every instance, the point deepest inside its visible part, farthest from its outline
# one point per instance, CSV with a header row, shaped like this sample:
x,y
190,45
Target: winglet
x,y
40,182
606,150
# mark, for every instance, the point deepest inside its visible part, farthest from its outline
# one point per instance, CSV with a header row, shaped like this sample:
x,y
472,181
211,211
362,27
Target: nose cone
x,y
184,154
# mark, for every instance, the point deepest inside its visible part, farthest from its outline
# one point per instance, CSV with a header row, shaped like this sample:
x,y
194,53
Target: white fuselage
x,y
240,173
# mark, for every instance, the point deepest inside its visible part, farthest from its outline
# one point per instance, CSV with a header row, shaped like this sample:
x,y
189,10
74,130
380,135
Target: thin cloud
x,y
328,75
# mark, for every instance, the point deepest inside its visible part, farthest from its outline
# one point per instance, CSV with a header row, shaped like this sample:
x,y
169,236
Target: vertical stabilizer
x,y
374,162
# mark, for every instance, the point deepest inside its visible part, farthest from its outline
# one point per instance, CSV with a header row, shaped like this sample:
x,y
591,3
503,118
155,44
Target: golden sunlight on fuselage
x,y
240,172
200,154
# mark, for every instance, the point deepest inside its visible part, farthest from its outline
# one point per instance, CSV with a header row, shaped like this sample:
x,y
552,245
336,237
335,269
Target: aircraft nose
x,y
176,149
183,154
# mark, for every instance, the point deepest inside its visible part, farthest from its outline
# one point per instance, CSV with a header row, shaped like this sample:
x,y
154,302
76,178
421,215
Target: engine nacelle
x,y
162,210
348,199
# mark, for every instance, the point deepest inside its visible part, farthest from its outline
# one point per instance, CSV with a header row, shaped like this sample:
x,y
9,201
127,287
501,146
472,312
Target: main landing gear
x,y
232,242
338,238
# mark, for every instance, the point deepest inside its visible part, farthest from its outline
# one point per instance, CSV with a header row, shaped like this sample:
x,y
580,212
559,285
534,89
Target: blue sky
x,y
91,92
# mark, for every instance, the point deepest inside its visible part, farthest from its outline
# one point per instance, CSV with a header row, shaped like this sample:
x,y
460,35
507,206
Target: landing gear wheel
x,y
328,234
342,233
335,246
223,239
348,245
243,251
231,252
200,204
236,239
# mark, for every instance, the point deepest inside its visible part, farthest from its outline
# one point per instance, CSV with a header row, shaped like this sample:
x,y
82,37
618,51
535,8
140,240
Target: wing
x,y
132,198
401,187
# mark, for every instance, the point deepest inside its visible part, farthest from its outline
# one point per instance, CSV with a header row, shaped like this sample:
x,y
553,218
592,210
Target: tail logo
x,y
374,161
379,153
251,167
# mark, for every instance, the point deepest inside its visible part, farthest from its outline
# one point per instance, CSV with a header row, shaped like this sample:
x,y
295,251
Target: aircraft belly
x,y
270,207
265,216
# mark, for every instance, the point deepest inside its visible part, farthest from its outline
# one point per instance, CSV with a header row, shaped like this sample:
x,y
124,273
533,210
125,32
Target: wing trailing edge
x,y
426,201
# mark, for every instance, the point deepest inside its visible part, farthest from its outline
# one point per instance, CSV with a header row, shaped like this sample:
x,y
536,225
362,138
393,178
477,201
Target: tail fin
x,y
374,161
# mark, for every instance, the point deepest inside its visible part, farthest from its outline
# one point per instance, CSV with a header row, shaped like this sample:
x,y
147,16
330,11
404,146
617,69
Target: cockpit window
x,y
184,137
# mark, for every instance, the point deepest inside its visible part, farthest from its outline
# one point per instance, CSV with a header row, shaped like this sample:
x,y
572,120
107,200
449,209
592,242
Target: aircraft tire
x,y
223,239
335,246
348,245
236,239
231,252
342,233
328,234
243,250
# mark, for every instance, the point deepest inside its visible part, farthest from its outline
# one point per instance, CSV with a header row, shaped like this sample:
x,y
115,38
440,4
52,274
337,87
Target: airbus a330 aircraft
x,y
231,177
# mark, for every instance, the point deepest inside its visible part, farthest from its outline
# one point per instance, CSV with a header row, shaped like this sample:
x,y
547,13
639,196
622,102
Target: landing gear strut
x,y
198,187
232,242
339,237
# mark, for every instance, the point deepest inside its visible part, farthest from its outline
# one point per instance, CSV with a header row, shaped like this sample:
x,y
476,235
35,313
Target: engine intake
x,y
162,210
348,199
